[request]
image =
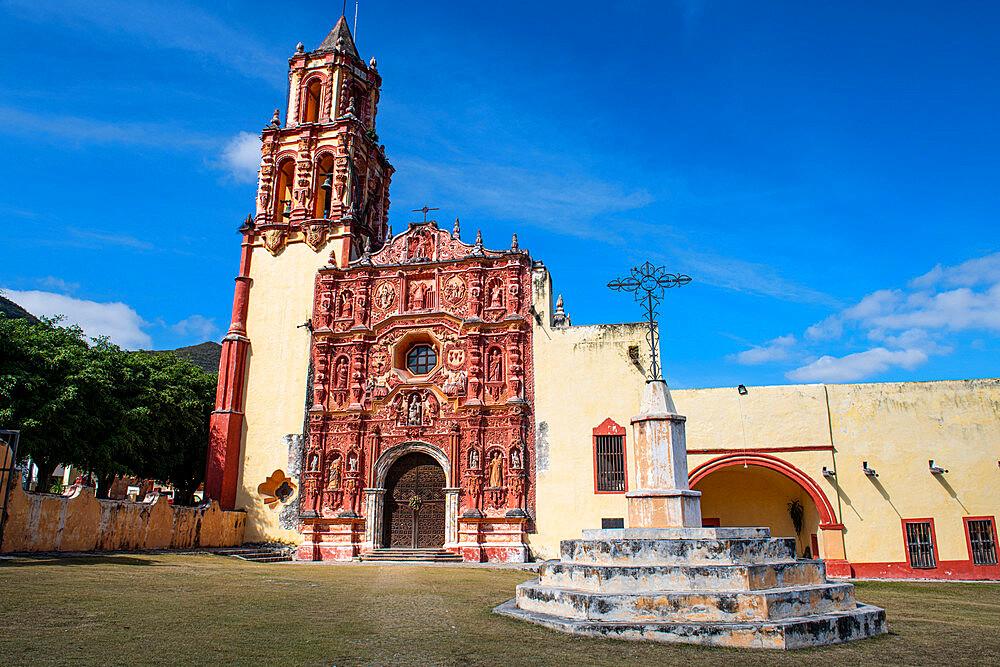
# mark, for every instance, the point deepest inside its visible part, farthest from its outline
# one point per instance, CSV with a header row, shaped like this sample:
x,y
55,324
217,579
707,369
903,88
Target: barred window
x,y
610,459
984,548
421,359
920,544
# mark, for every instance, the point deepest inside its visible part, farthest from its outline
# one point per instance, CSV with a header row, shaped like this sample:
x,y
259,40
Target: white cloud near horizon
x,y
203,327
116,320
905,326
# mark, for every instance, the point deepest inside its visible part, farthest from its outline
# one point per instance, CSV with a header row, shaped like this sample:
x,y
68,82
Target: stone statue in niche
x,y
415,411
396,409
494,366
496,295
313,462
431,406
352,462
342,373
475,301
515,458
347,306
335,474
496,471
324,309
418,297
474,459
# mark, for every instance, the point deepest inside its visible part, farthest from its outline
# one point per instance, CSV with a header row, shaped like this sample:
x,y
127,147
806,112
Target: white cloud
x,y
115,320
909,324
58,284
241,157
777,349
79,129
174,25
856,366
203,327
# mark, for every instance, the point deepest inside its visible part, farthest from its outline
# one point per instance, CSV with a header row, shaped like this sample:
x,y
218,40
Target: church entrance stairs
x,y
393,554
258,555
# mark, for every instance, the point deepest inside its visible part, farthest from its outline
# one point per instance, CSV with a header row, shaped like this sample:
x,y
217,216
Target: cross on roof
x,y
648,282
424,210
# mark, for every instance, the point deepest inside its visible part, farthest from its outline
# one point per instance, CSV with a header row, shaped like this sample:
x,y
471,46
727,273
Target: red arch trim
x,y
826,513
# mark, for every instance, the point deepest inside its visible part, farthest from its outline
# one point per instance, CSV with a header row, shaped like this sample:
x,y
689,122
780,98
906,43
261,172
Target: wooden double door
x,y
413,506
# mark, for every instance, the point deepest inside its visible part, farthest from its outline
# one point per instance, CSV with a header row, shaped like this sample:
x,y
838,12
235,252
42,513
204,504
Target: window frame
x,y
431,352
934,548
609,428
968,539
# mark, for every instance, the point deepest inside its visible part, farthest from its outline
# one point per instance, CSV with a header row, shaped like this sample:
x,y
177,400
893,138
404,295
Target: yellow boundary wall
x,y
78,521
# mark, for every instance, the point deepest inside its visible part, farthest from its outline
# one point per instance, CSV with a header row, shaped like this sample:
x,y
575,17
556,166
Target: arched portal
x,y
414,503
758,490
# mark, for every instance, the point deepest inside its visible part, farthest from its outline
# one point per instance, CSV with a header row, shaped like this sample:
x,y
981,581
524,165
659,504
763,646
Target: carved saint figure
x,y
496,471
335,474
324,309
346,306
352,462
396,408
415,411
496,296
474,459
494,366
342,373
313,462
515,458
418,297
425,248
431,406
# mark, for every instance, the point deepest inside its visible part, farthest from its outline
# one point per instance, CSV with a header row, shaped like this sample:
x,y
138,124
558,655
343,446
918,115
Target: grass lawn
x,y
203,609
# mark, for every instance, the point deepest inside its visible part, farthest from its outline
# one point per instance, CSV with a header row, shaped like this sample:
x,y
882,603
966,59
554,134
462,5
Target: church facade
x,y
421,390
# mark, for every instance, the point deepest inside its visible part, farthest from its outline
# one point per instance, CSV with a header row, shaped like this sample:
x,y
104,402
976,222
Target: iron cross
x,y
647,282
424,210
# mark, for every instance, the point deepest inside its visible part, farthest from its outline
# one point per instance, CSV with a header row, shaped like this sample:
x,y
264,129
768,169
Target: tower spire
x,y
340,39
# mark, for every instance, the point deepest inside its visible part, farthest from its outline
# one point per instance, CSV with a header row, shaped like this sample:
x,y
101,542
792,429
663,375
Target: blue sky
x,y
827,174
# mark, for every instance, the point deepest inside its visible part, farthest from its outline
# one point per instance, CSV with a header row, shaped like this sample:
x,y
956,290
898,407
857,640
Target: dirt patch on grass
x,y
201,609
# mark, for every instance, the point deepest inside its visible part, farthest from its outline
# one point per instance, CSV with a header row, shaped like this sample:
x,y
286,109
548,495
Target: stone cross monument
x,y
666,578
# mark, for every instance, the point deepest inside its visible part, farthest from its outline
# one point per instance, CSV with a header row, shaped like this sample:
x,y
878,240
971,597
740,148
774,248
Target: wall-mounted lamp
x,y
935,470
742,390
828,473
868,471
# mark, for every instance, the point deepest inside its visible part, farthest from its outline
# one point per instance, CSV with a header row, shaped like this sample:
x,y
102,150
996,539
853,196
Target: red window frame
x,y
968,536
609,427
906,545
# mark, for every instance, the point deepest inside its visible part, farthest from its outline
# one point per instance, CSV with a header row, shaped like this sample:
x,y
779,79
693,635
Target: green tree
x,y
41,367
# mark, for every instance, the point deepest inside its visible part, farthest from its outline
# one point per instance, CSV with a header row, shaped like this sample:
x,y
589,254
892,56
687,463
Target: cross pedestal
x,y
662,498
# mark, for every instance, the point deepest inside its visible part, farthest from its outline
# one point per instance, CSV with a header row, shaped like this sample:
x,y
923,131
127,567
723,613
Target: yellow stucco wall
x,y
78,521
278,365
583,375
895,427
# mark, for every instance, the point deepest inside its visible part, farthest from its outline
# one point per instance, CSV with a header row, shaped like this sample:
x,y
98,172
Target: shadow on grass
x,y
30,561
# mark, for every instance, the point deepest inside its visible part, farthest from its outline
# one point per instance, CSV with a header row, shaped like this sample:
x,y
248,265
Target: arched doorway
x,y
414,504
755,489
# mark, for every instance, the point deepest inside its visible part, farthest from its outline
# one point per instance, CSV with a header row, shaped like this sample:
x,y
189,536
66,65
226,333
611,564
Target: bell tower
x,y
323,175
322,200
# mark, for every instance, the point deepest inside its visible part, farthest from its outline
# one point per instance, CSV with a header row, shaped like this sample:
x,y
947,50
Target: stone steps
x,y
391,554
790,633
624,579
673,606
677,551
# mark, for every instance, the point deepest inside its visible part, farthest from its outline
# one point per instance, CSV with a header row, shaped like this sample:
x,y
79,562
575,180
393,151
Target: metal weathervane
x,y
647,282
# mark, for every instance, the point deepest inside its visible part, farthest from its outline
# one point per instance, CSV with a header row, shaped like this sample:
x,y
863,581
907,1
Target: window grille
x,y
920,544
421,359
610,461
607,524
984,549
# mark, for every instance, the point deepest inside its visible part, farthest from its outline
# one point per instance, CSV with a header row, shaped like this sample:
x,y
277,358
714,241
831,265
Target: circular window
x,y
421,359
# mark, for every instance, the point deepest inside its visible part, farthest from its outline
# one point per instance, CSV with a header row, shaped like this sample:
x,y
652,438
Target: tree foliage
x,y
104,409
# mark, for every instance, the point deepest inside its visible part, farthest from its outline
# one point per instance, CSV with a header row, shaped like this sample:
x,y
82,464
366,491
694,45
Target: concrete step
x,y
676,606
625,579
641,552
416,555
859,622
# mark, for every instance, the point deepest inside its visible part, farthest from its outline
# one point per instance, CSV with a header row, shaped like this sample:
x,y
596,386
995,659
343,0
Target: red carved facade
x,y
472,410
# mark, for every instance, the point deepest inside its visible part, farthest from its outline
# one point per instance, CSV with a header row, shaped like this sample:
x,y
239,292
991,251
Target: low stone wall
x,y
78,521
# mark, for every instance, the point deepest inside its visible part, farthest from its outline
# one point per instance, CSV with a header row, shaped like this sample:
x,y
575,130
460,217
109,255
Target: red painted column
x,y
222,469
